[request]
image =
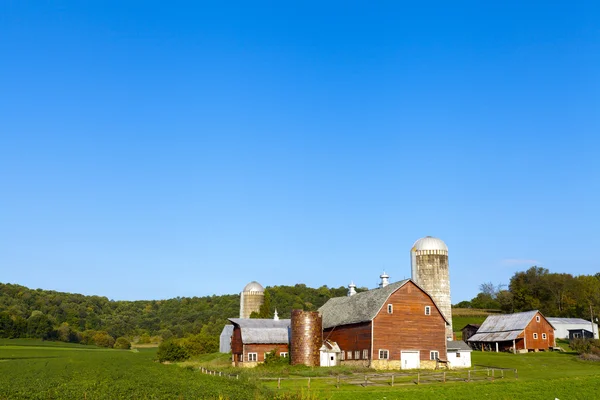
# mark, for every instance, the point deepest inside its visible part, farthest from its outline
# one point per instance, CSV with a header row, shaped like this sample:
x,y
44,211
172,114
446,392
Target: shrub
x,y
171,351
200,344
103,339
273,358
122,343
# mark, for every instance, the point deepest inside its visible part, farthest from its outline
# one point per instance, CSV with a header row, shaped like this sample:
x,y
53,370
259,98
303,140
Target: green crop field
x,y
32,369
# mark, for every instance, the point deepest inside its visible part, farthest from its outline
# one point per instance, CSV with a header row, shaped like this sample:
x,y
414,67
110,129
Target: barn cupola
x,y
275,315
385,280
351,289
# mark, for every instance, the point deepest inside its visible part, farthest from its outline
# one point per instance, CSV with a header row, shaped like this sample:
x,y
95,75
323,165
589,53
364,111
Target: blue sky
x,y
151,150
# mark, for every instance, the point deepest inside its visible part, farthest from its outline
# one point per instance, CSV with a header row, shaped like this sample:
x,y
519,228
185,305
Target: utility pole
x,y
592,321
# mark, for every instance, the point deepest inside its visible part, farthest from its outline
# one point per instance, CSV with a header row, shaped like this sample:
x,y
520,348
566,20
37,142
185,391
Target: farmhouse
x,y
564,325
519,332
252,339
397,325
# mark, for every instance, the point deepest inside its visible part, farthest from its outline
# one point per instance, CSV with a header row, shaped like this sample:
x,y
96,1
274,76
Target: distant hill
x,y
49,314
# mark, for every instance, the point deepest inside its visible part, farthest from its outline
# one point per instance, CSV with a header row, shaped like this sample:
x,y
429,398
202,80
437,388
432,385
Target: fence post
x,y
418,378
338,382
392,380
516,374
309,382
469,378
444,376
502,373
278,383
365,380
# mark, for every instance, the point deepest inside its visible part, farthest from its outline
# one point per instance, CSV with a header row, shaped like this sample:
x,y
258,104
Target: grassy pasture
x,y
31,371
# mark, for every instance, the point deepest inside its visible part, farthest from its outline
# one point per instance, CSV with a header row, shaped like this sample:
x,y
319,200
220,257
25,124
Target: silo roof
x,y
430,243
254,287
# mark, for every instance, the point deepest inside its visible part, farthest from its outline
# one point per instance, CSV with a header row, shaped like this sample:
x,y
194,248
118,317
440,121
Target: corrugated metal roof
x,y
497,328
361,307
263,331
569,321
225,339
454,345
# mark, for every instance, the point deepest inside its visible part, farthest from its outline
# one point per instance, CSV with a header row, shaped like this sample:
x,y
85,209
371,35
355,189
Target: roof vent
x,y
351,287
385,280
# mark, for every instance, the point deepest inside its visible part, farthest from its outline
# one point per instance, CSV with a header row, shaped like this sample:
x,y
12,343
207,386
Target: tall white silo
x,y
429,263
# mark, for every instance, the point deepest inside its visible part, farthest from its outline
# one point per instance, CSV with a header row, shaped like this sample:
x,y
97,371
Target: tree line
x,y
69,317
554,294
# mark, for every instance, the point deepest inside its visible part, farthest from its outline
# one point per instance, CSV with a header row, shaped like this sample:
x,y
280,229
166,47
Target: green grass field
x,y
32,369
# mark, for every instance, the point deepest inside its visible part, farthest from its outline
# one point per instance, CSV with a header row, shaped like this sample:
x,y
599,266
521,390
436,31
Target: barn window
x,y
343,355
390,309
537,318
252,356
543,336
357,355
365,354
434,355
283,354
384,354
535,335
349,355
427,310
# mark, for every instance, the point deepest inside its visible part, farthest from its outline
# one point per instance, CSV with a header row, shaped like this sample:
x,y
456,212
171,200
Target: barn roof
x,y
361,307
498,328
567,321
263,331
457,345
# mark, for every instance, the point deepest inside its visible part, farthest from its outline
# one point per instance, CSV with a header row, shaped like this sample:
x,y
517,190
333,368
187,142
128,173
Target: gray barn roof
x,y
498,328
457,345
361,307
568,321
263,331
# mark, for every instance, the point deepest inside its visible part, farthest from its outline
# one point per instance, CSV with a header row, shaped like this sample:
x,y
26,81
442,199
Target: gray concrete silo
x,y
429,263
251,298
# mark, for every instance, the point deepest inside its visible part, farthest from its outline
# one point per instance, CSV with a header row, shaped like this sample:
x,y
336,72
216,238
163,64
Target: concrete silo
x,y
429,263
251,298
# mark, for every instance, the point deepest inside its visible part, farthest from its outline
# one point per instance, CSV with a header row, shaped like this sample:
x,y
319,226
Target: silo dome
x,y
254,287
430,243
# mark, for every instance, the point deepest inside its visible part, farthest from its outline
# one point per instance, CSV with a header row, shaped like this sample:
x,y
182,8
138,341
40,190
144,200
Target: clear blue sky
x,y
158,149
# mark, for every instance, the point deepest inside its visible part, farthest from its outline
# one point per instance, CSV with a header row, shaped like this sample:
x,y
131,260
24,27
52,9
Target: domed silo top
x,y
430,245
254,287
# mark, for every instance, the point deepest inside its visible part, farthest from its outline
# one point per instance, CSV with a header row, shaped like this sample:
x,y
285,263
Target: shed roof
x,y
263,331
498,328
567,321
361,307
457,345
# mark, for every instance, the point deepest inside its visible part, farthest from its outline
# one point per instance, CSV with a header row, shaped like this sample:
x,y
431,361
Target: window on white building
x,y
252,356
384,354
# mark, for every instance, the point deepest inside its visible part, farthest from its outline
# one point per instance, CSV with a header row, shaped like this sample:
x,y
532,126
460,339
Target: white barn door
x,y
410,359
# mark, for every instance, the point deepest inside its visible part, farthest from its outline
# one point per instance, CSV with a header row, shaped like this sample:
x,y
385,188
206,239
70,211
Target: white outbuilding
x,y
562,326
330,354
459,354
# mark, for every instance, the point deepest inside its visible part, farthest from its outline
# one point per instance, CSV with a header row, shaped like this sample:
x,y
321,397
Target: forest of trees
x,y
554,294
97,320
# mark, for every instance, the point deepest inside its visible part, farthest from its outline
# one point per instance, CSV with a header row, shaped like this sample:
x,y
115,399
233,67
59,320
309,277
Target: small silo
x,y
429,263
306,338
251,298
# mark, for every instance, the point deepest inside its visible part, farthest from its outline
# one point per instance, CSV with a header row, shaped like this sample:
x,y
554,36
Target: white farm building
x,y
564,325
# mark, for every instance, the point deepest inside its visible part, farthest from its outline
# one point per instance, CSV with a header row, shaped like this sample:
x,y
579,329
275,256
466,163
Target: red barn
x,y
519,332
392,327
252,339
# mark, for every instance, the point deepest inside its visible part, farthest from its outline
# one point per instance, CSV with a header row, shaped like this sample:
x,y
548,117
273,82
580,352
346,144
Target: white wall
x,y
464,361
562,330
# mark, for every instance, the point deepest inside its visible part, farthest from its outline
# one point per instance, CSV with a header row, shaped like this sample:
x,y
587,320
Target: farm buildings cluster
x,y
399,325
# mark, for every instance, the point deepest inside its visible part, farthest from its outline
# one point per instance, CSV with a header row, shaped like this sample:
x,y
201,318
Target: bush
x,y
585,346
103,339
122,343
273,358
200,344
171,351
